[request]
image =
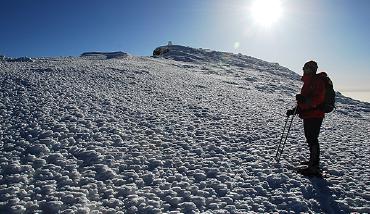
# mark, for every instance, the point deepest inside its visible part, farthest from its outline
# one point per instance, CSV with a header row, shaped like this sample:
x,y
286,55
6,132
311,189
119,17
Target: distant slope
x,y
188,54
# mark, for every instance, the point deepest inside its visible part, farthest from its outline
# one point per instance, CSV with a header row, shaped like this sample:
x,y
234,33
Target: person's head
x,y
310,67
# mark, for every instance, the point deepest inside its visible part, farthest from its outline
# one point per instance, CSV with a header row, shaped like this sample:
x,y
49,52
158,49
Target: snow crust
x,y
188,131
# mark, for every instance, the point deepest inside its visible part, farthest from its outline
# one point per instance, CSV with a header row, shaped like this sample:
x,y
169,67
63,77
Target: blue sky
x,y
335,33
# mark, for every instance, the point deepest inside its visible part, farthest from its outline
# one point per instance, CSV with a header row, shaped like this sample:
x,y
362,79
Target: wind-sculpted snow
x,y
154,135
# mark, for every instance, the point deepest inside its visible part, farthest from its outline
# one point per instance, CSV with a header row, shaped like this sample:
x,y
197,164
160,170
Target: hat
x,y
310,65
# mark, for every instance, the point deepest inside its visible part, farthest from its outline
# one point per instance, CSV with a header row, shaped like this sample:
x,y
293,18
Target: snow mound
x,y
104,55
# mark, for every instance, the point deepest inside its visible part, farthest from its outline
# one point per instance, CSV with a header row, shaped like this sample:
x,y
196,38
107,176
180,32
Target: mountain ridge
x,y
200,55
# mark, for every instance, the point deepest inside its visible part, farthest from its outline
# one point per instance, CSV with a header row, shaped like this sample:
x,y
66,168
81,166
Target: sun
x,y
266,12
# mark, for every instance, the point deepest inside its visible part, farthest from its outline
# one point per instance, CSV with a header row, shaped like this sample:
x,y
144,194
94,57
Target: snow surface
x,y
188,131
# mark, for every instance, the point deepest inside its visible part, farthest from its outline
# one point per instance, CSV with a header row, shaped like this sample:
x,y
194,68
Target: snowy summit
x,y
184,131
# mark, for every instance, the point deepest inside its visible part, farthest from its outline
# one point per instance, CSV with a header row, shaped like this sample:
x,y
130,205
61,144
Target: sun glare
x,y
266,12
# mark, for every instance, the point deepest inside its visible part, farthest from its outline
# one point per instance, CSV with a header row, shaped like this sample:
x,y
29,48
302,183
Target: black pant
x,y
312,131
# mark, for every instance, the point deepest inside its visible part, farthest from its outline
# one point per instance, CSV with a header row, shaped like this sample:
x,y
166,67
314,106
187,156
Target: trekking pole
x,y
281,138
282,143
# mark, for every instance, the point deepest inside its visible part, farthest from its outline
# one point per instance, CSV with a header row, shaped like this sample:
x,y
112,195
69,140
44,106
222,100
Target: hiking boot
x,y
310,171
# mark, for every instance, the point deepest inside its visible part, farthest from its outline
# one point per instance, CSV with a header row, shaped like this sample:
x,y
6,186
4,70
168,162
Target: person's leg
x,y
312,131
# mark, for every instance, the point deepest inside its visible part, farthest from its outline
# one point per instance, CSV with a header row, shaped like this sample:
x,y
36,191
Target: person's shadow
x,y
324,196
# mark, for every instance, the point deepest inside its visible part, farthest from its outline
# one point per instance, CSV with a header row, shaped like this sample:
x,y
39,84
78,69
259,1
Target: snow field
x,y
153,135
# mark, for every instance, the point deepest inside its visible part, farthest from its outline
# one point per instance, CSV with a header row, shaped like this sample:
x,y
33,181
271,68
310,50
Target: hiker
x,y
309,103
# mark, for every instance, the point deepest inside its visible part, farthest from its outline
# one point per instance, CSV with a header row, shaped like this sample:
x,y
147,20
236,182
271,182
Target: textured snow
x,y
187,131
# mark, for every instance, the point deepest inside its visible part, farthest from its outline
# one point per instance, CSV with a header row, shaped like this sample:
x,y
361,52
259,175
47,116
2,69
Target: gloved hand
x,y
300,98
290,112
